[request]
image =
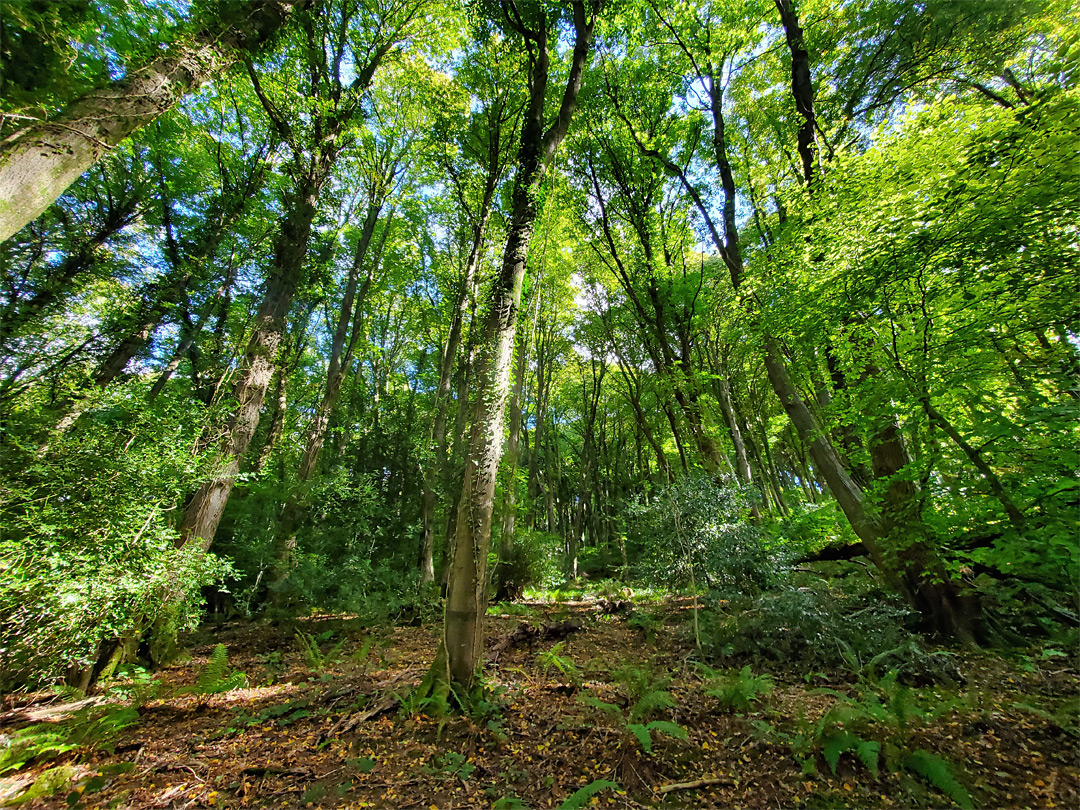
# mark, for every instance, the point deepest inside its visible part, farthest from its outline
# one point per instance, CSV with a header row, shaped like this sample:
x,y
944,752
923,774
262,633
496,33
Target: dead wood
x,y
614,607
346,724
526,633
696,783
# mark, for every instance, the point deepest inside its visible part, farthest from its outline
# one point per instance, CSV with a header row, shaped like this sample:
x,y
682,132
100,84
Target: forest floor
x,y
323,730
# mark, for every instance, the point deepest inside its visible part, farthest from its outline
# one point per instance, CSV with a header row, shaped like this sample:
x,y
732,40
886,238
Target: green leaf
x,y
362,764
578,798
937,772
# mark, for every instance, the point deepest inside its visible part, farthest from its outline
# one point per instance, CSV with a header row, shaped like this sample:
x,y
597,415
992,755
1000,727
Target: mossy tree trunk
x,y
466,598
39,162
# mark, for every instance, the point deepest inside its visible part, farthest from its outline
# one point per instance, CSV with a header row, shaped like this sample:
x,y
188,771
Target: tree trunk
x,y
38,163
507,588
204,511
221,297
435,471
801,87
466,598
279,407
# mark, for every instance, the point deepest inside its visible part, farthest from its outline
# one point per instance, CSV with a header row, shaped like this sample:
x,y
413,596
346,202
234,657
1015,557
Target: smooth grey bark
x,y
38,163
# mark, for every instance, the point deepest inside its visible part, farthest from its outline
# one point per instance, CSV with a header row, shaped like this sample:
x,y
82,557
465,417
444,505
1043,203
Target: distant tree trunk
x,y
341,354
466,597
185,268
801,87
38,163
220,299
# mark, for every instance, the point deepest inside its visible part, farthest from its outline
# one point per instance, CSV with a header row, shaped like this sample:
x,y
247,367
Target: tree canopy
x,y
407,305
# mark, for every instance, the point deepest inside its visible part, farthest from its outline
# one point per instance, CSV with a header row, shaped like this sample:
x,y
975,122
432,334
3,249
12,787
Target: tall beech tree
x,y
475,168
466,597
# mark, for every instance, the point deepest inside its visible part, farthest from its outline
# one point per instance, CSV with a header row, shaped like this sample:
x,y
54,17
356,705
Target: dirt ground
x,y
329,734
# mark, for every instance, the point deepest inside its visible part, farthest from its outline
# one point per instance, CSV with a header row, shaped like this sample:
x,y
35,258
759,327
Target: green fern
x,y
650,703
40,742
867,751
216,676
92,726
937,772
579,798
563,664
737,691
608,708
645,691
644,733
312,653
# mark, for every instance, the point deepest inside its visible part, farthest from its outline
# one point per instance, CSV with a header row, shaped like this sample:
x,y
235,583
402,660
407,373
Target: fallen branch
x,y
271,770
526,633
346,724
696,783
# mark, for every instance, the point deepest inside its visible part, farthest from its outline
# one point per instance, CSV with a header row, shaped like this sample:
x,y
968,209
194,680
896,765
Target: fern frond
x,y
650,703
937,772
644,738
604,706
867,752
579,798
216,677
836,743
669,728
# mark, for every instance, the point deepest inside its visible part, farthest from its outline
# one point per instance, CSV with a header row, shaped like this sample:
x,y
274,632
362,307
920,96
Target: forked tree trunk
x,y
38,163
466,599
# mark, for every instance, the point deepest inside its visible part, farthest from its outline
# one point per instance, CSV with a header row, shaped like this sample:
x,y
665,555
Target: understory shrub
x,y
809,628
534,561
88,549
697,528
